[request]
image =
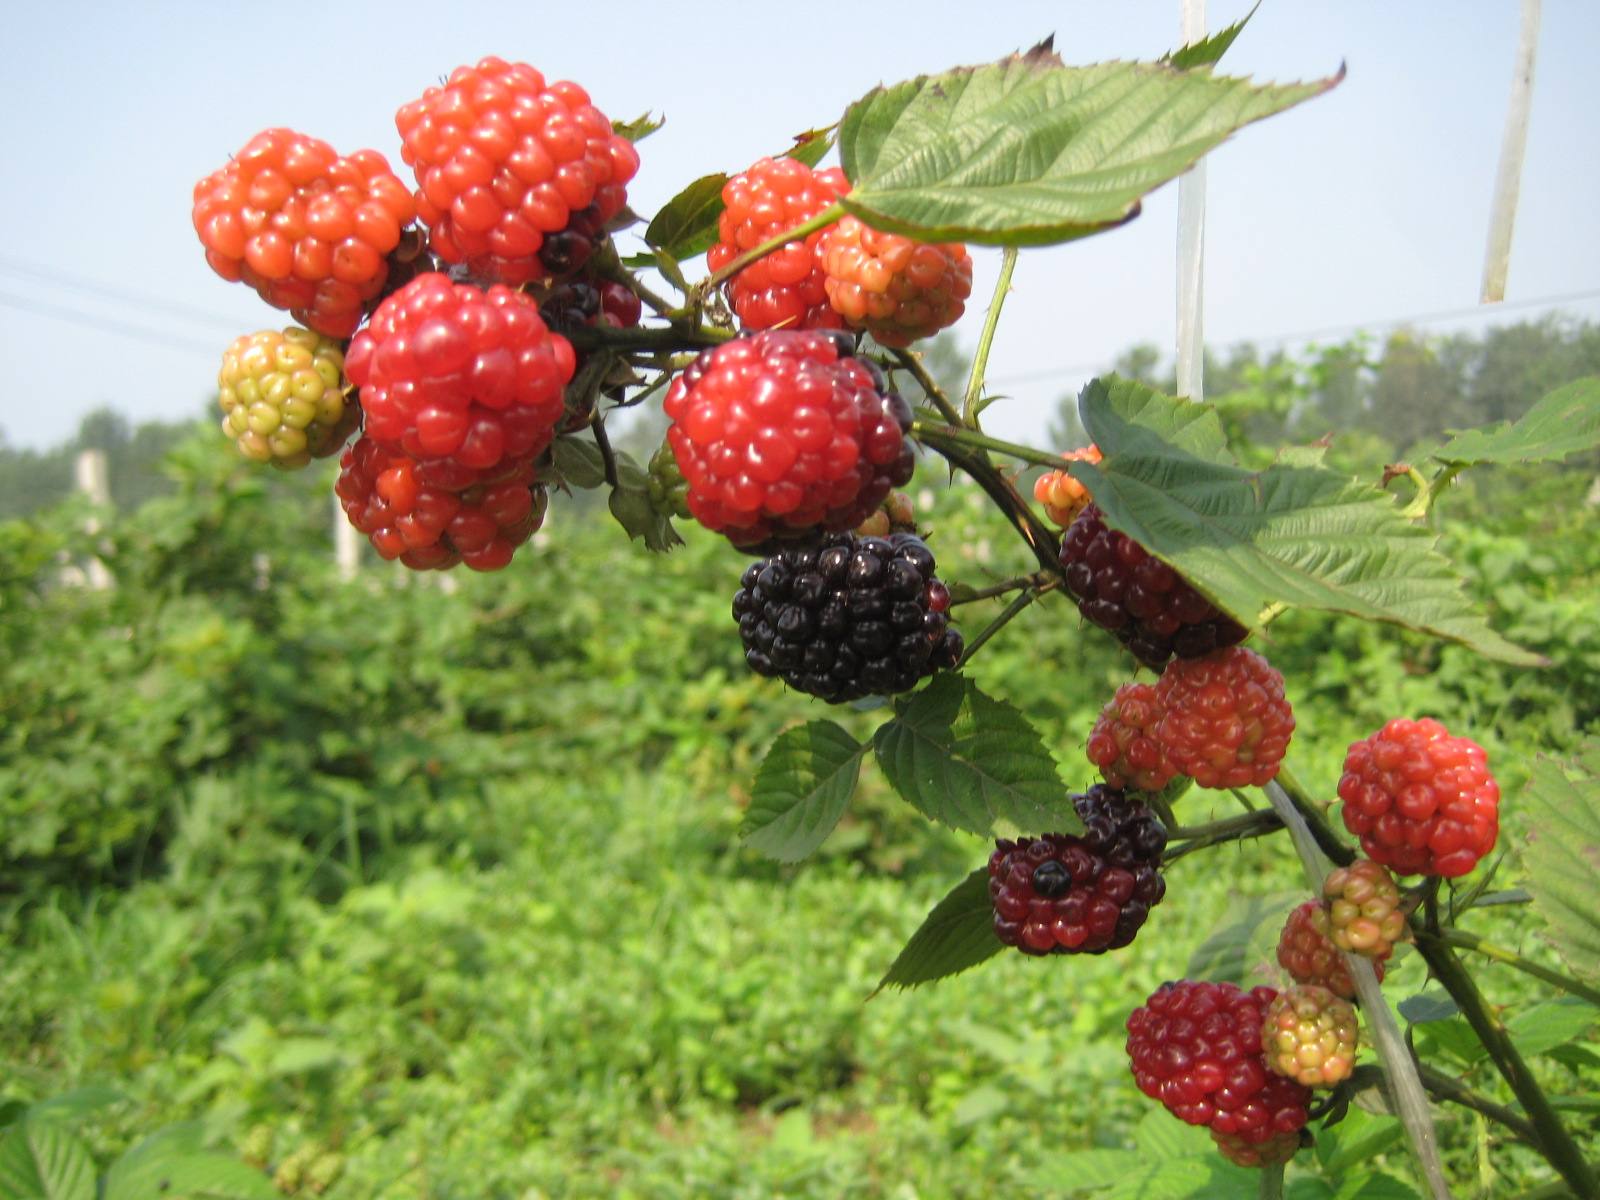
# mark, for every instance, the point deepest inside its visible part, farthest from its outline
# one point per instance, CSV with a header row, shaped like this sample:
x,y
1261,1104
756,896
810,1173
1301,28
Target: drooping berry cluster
x,y
1308,953
1364,914
450,372
516,178
786,289
1064,894
1311,1036
308,229
1063,496
282,396
1225,721
896,289
432,516
1197,1048
781,434
1124,743
847,617
1420,800
1140,600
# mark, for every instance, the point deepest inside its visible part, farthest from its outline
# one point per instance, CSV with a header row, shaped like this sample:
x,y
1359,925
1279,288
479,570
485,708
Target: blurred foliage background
x,y
410,890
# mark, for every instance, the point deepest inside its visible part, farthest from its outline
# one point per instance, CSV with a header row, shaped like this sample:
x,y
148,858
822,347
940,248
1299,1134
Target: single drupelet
x,y
1141,601
845,617
782,434
517,178
283,397
1197,1047
1420,800
1225,720
1069,894
309,229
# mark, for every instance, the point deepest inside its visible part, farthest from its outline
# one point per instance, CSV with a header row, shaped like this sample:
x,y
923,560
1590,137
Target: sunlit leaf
x,y
801,790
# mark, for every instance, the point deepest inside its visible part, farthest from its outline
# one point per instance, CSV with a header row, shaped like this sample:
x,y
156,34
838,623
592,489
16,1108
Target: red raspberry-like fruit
x,y
1226,722
1123,743
1062,894
1364,914
307,229
432,516
1141,601
787,288
282,396
1307,952
896,289
449,371
783,433
1196,1047
1311,1035
1279,1148
1063,497
516,177
1421,801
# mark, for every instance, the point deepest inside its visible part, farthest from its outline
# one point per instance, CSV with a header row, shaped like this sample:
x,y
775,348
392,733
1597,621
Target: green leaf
x,y
1428,1006
812,146
577,461
43,1160
630,505
957,934
1159,1138
1208,51
78,1103
1029,152
1231,952
297,1055
1565,422
982,1103
687,225
1562,855
1544,1027
639,128
968,760
170,1172
801,790
1299,536
1086,1169
1374,1186
1355,1140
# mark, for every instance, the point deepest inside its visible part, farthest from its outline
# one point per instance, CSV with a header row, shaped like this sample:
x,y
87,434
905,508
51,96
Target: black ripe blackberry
x,y
1063,894
847,616
1144,603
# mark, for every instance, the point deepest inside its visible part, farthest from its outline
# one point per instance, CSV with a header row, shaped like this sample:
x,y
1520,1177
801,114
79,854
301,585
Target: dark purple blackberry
x,y
563,253
847,616
1142,602
1061,894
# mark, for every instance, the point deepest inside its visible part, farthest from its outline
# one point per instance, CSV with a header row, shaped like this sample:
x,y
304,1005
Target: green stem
x,y
1447,1087
798,234
1260,818
980,360
930,386
1329,842
934,435
1006,498
1271,1186
597,426
1557,1144
995,626
1420,499
1038,580
1393,1053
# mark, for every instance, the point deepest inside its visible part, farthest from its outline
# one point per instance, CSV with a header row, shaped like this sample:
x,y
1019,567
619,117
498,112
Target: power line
x,y
1423,318
95,287
108,325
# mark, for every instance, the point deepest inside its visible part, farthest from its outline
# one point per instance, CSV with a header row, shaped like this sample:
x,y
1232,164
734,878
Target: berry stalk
x,y
1271,1185
798,234
1462,940
1395,1055
980,358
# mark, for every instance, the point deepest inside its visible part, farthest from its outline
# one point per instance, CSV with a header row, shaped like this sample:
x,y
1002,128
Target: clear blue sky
x,y
1369,203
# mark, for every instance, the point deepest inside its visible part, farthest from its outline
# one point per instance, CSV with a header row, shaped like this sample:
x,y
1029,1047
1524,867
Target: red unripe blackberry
x,y
1196,1047
1420,800
786,289
1279,1148
1307,952
432,516
1124,745
308,229
1364,915
847,617
1142,602
896,289
282,397
1311,1036
1225,721
1063,496
1064,894
516,177
450,372
781,434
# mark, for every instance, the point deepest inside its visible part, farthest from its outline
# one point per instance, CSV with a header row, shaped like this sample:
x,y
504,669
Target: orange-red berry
x,y
896,289
1063,496
1226,722
1124,745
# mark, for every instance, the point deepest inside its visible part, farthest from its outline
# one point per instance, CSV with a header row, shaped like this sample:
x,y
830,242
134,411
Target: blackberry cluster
x,y
1061,894
847,617
1142,602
